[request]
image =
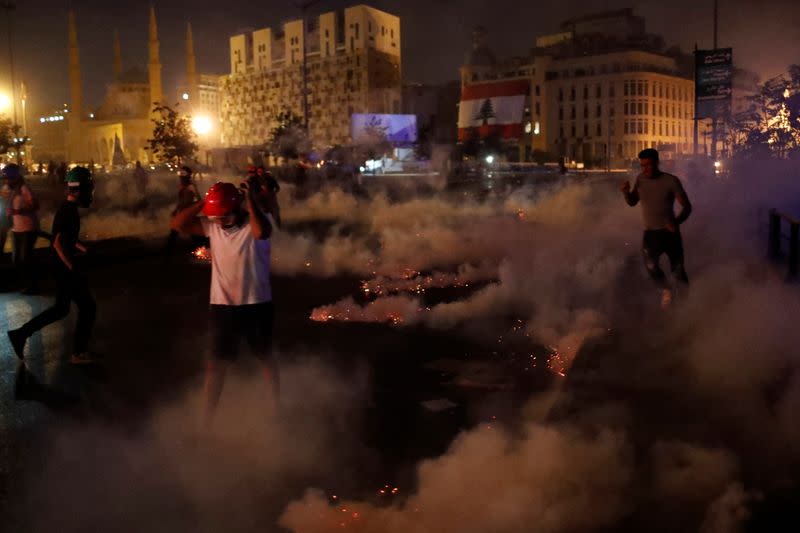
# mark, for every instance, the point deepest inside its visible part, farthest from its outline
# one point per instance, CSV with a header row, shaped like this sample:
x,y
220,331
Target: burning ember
x,y
412,281
202,254
557,363
396,310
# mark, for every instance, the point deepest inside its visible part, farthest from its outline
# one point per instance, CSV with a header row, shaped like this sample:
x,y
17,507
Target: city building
x,y
116,131
595,93
436,109
353,65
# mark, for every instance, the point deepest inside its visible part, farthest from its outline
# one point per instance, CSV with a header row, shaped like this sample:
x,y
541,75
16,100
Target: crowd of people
x,y
238,221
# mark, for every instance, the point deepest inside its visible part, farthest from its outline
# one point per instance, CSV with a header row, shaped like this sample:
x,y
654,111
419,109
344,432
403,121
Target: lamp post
x,y
10,8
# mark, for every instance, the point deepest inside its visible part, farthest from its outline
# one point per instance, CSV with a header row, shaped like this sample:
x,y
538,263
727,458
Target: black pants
x,y
230,324
70,287
24,242
659,242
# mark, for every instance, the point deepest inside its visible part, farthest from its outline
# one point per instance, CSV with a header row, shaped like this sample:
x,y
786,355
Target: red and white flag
x,y
492,108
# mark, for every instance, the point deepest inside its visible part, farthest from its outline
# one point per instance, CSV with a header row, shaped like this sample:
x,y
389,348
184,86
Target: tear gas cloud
x,y
563,259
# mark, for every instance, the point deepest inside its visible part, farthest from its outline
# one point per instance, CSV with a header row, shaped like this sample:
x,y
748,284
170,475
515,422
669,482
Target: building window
x,y
654,89
572,94
573,130
538,109
598,91
599,111
585,92
572,113
611,90
560,113
625,89
560,94
357,30
585,111
383,30
654,108
599,130
640,108
561,132
585,130
537,92
627,127
611,111
391,33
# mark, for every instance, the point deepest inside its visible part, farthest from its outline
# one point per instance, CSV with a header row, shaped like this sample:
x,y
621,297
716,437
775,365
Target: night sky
x,y
765,34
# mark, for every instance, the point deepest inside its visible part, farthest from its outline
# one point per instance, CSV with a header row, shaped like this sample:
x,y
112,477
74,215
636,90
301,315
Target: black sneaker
x,y
18,340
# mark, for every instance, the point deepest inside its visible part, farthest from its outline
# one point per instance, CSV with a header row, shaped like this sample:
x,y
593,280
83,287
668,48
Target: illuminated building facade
x,y
353,65
597,93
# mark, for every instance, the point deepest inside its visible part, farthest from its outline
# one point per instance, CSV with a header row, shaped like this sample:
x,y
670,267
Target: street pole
x,y
696,121
304,10
305,71
9,7
714,119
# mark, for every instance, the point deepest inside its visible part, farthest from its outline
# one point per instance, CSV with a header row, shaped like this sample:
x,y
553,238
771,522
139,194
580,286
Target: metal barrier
x,y
776,219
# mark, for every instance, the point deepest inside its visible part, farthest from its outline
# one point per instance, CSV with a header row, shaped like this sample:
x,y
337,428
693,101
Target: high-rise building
x,y
353,65
597,92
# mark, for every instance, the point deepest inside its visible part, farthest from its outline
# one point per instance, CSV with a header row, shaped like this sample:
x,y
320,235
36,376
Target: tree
x,y
770,127
288,139
374,142
486,112
10,137
173,138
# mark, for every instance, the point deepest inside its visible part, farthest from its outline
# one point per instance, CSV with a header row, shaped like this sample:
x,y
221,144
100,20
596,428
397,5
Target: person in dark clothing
x,y
657,193
267,194
71,282
187,195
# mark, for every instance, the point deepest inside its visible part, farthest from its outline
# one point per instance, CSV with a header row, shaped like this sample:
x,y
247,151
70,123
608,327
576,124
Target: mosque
x,y
116,131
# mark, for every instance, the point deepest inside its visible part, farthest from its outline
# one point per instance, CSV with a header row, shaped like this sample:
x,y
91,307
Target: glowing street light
x,y
185,96
201,125
5,102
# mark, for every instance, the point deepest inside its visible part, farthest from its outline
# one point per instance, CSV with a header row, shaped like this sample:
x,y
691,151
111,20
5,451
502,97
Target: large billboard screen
x,y
713,83
371,128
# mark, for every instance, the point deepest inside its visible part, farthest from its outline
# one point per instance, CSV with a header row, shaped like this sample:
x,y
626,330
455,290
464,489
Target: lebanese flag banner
x,y
492,108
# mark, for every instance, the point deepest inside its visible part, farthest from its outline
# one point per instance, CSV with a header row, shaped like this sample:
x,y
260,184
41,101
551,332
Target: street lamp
x,y
10,8
5,102
201,125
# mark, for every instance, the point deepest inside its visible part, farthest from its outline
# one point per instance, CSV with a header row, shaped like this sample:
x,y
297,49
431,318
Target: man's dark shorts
x,y
232,324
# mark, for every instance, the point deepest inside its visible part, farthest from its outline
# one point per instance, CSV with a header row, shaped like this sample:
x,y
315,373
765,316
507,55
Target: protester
x,y
22,208
241,294
657,192
72,284
187,195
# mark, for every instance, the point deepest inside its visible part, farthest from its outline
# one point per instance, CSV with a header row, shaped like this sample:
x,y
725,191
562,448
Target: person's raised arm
x,y
631,196
186,221
259,223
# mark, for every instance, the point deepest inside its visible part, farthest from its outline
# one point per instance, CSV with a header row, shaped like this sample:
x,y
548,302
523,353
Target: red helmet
x,y
251,169
222,199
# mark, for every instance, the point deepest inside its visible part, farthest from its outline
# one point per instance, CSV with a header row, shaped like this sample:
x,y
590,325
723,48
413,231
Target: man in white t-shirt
x,y
239,227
